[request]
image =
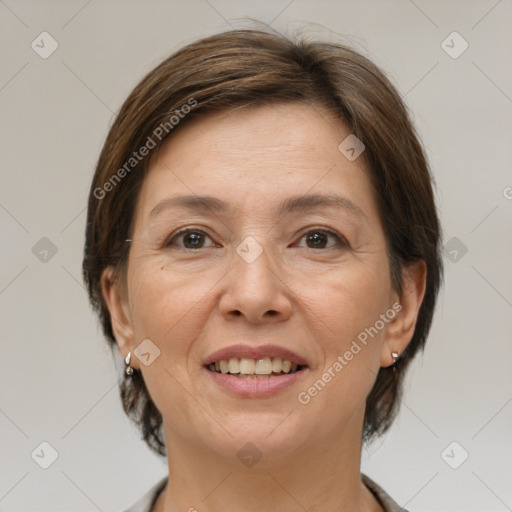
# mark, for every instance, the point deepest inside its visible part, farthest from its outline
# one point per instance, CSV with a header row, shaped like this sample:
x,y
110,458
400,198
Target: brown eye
x,y
316,240
189,239
323,239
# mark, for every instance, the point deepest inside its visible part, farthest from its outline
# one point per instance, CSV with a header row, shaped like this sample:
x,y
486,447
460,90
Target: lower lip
x,y
255,388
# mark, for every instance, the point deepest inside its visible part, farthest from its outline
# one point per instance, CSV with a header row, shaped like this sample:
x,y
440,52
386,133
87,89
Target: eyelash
x,y
341,240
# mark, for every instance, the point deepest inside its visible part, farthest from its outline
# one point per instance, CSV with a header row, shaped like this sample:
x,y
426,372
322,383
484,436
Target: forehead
x,y
253,156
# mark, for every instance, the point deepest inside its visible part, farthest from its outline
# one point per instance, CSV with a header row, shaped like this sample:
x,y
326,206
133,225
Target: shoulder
x,y
387,503
145,503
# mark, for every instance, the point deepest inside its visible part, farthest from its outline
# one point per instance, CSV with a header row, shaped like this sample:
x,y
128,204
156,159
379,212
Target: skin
x,y
313,299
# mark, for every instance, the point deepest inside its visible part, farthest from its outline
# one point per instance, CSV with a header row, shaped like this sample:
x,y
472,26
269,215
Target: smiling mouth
x,y
248,368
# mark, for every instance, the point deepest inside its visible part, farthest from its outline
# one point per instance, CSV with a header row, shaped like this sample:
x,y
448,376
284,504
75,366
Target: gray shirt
x,y
145,504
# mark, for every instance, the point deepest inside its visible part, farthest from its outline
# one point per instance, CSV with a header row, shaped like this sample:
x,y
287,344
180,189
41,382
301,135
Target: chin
x,y
269,436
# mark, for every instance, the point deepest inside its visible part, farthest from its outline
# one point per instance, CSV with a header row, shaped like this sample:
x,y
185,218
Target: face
x,y
258,271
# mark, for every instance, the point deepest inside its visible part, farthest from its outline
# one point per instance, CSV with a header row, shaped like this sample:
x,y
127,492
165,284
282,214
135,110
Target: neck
x,y
322,475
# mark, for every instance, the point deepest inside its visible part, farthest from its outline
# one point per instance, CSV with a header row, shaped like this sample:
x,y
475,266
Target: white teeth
x,y
263,366
247,366
224,366
251,368
234,365
277,364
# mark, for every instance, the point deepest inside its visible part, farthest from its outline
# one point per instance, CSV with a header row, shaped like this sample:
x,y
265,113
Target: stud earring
x,y
394,355
128,370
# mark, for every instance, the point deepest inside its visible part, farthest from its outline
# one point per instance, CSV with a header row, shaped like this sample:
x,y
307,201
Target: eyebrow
x,y
304,203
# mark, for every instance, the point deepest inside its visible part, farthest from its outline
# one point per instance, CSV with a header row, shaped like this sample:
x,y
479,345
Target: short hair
x,y
261,67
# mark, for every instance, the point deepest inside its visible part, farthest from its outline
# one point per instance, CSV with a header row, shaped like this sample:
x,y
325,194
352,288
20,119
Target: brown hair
x,y
255,67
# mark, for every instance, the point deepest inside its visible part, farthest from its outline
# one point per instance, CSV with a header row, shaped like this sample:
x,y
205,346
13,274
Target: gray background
x,y
57,377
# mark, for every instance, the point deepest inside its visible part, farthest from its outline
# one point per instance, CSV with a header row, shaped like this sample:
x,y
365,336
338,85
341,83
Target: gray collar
x,y
145,504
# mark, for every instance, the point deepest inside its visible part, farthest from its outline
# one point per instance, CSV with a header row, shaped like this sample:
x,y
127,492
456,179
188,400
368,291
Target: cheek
x,y
337,390
348,300
166,305
345,317
169,309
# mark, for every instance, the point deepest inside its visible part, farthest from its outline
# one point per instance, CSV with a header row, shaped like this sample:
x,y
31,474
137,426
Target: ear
x,y
116,298
401,328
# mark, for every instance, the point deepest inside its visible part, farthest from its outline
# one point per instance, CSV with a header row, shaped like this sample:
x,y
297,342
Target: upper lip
x,y
254,352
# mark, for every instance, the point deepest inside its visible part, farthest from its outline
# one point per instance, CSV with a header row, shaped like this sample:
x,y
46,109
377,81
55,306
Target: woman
x,y
262,246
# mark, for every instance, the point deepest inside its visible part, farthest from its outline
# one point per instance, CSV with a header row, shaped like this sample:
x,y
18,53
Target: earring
x,y
395,356
128,370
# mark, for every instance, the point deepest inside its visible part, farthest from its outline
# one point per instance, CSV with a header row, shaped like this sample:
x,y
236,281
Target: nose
x,y
257,291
